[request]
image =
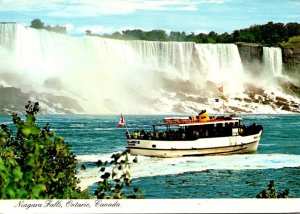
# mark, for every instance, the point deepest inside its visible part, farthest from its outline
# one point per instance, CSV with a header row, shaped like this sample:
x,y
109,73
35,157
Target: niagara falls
x,y
107,76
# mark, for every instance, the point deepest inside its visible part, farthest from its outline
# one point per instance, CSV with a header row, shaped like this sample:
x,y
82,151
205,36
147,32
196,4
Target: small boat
x,y
196,136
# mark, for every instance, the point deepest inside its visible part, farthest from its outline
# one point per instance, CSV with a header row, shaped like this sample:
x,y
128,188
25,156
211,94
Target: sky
x,y
108,16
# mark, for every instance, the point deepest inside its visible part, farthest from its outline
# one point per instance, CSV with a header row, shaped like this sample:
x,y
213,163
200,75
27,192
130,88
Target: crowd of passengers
x,y
195,132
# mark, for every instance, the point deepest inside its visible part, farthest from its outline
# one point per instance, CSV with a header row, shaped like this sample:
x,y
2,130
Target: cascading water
x,y
112,76
272,58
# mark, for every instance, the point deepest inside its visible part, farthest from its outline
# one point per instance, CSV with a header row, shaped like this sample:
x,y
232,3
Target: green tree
x,y
267,34
247,36
255,30
35,163
272,33
133,34
212,37
271,192
201,38
37,23
224,38
115,181
156,35
176,36
292,29
116,35
190,38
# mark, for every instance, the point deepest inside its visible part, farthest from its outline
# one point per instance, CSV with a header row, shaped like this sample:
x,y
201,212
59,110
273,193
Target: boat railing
x,y
193,134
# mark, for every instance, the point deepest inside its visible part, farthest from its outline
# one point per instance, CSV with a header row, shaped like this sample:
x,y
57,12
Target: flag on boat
x,y
221,89
121,122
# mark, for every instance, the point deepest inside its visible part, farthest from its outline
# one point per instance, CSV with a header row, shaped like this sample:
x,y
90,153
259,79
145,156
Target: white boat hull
x,y
199,147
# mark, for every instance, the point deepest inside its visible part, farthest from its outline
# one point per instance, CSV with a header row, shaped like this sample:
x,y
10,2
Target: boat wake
x,y
147,166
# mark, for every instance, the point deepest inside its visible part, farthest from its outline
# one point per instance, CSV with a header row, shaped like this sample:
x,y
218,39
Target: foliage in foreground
x,y
271,192
117,184
35,163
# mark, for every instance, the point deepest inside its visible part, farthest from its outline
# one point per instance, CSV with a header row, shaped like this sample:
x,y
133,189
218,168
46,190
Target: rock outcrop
x,y
14,99
251,56
291,58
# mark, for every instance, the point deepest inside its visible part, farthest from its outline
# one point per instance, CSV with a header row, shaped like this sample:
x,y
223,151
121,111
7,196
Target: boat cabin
x,y
174,130
193,127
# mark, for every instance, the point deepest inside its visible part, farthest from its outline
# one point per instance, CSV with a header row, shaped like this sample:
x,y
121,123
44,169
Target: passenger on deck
x,y
183,136
142,134
156,135
195,134
128,136
149,135
136,134
164,135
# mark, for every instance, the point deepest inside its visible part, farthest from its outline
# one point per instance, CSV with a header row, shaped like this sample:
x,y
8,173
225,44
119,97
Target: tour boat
x,y
196,136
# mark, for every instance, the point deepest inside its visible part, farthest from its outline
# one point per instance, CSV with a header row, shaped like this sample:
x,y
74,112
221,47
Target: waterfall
x,y
166,56
221,62
272,58
111,76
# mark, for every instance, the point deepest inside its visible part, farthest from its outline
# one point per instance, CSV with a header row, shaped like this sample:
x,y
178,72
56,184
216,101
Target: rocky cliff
x,y
14,99
252,52
291,59
251,56
291,63
291,52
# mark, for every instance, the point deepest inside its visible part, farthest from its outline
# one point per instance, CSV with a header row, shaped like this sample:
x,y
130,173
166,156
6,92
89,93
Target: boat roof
x,y
216,121
207,123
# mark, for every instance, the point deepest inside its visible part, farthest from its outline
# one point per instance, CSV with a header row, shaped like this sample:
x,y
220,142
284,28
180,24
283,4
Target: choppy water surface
x,y
231,176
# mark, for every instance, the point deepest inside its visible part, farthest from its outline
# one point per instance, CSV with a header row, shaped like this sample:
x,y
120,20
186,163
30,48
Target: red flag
x,y
121,122
221,89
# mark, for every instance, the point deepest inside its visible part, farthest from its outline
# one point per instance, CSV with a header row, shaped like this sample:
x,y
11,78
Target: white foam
x,y
95,157
155,166
147,166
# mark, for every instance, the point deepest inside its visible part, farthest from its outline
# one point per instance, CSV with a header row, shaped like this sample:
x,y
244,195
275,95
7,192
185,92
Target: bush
x,y
271,192
117,184
35,163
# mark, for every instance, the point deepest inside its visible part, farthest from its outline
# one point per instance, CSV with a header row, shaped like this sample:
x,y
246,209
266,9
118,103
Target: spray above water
x,y
134,77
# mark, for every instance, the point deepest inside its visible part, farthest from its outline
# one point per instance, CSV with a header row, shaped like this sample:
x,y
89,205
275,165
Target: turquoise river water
x,y
230,176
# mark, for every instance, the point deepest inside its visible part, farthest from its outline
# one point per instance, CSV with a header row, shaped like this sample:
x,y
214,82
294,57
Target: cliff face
x,y
291,57
253,60
250,51
13,100
251,56
291,65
